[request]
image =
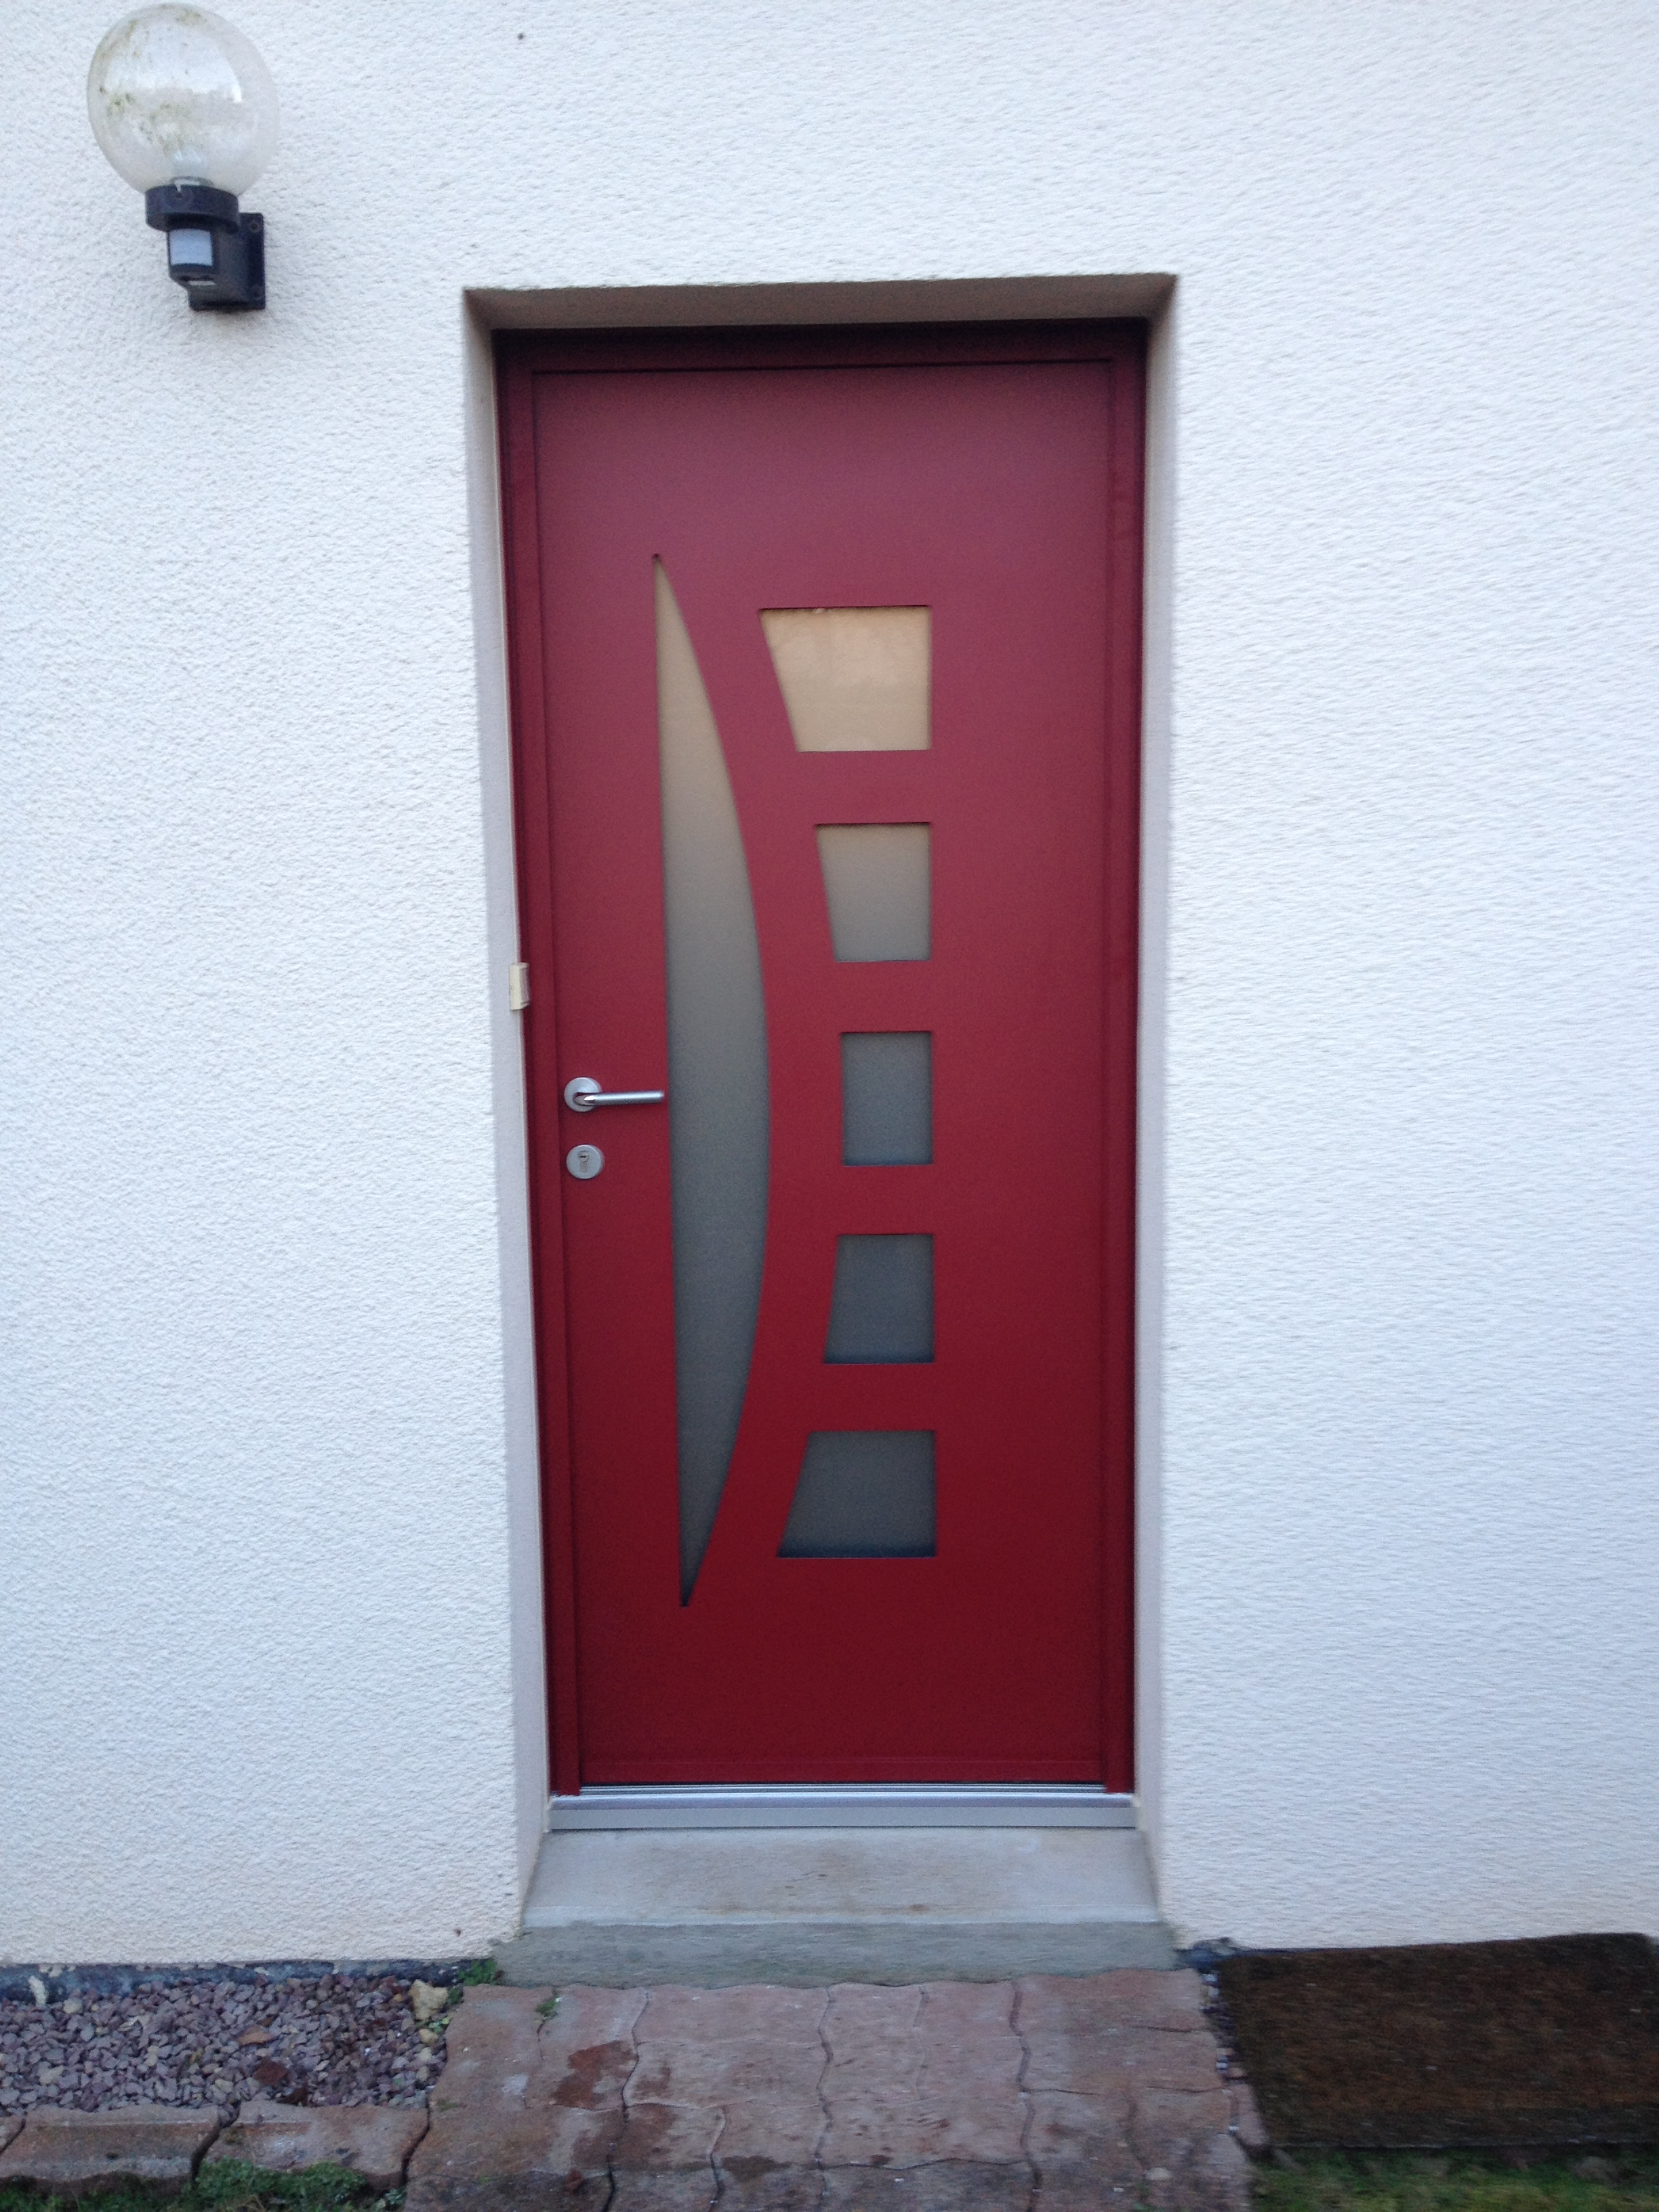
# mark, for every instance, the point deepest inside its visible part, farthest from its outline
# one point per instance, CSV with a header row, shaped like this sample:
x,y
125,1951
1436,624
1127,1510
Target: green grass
x,y
1471,2181
228,2186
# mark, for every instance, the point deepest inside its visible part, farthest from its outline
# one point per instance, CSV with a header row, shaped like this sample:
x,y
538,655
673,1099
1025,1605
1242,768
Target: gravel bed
x,y
331,2039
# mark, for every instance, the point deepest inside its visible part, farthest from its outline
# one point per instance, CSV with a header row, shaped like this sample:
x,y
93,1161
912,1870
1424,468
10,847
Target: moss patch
x,y
1401,2181
228,2185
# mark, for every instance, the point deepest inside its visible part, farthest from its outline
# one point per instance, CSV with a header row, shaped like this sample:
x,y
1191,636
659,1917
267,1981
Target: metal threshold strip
x,y
886,1805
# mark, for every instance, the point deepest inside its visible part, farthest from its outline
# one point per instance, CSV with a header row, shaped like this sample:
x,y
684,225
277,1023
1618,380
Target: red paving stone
x,y
736,2071
372,2139
73,2153
1071,2095
1085,2131
526,2103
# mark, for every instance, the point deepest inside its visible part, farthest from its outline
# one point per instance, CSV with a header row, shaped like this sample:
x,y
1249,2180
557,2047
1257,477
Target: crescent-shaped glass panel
x,y
718,1104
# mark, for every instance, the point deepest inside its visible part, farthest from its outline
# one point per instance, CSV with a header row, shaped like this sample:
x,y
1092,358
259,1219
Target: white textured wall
x,y
268,1574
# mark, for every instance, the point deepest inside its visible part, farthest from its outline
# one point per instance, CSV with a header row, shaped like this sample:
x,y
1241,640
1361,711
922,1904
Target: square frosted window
x,y
863,1494
881,1310
853,680
878,882
886,1098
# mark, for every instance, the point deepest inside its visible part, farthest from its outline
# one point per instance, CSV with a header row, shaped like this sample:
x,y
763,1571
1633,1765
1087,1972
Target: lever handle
x,y
582,1095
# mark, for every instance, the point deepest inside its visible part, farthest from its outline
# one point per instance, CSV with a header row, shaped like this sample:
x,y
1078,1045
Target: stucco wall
x,y
268,1610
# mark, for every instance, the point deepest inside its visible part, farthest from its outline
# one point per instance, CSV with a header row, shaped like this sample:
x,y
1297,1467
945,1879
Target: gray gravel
x,y
336,2039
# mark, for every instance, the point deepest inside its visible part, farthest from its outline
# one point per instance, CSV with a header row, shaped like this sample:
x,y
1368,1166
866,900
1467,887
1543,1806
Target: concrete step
x,y
810,1906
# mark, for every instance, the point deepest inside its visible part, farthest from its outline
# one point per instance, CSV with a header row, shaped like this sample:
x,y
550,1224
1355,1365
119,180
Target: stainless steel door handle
x,y
582,1095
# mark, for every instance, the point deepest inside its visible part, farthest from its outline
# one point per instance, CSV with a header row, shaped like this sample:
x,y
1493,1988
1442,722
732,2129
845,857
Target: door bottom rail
x,y
883,1805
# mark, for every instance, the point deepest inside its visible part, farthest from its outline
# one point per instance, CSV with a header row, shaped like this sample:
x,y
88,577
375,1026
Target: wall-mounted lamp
x,y
185,110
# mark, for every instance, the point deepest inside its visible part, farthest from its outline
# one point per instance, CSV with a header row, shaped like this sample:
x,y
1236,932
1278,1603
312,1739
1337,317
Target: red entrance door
x,y
826,692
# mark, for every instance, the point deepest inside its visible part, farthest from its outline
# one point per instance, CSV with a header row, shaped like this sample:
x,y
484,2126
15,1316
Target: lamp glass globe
x,y
176,91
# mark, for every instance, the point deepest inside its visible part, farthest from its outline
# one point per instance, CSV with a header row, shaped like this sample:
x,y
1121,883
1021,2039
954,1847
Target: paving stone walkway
x,y
1087,2095
1093,2094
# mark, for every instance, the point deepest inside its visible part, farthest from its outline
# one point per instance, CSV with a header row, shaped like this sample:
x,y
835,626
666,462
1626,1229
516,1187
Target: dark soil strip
x,y
1546,2043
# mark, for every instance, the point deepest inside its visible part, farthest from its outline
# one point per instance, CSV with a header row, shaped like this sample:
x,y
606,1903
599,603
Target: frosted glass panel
x,y
863,1494
717,1084
877,878
887,1098
853,680
882,1309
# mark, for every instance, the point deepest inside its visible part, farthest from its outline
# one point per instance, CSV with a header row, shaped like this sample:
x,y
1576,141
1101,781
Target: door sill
x,y
887,1805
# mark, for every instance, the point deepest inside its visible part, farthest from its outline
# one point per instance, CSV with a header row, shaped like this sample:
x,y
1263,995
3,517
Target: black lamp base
x,y
221,259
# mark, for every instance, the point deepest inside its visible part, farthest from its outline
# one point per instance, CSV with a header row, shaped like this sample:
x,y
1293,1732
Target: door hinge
x,y
518,986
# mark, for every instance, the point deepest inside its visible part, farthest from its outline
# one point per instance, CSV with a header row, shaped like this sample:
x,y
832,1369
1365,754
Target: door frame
x,y
1121,347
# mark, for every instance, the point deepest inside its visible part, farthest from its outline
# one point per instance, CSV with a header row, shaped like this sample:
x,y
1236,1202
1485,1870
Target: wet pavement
x,y
1076,2093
